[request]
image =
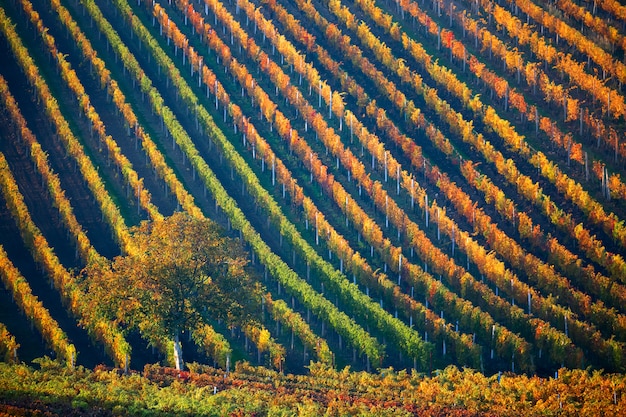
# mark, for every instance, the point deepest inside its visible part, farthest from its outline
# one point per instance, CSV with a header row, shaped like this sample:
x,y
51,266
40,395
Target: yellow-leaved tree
x,y
183,273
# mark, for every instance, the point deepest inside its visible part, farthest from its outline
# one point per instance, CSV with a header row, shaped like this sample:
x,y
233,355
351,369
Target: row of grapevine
x,y
613,7
593,22
8,345
262,339
280,310
214,344
251,390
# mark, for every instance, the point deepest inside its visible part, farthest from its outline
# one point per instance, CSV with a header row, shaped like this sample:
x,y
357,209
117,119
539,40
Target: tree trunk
x,y
178,353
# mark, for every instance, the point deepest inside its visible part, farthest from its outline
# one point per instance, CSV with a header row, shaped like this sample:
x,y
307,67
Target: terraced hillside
x,y
417,183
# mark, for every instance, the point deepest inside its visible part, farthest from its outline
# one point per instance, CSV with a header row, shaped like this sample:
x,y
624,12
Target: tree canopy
x,y
182,273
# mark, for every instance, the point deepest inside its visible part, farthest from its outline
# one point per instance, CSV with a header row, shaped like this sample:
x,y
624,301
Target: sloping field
x,y
418,183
